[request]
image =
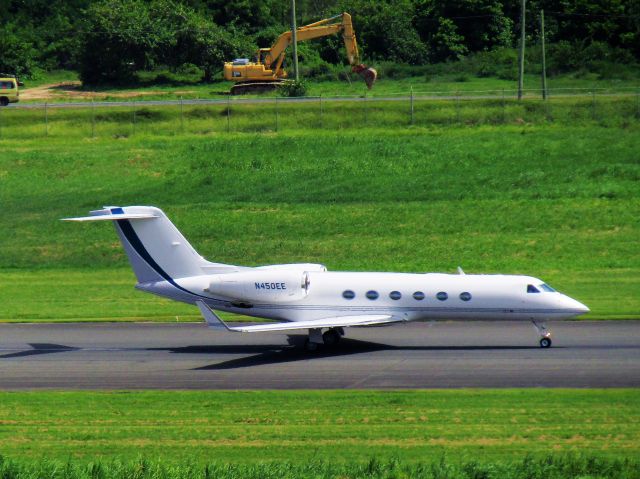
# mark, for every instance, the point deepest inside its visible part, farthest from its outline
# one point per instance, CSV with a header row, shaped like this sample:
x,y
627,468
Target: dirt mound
x,y
74,89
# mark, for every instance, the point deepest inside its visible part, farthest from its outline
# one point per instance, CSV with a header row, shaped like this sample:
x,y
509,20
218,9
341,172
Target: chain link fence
x,y
273,114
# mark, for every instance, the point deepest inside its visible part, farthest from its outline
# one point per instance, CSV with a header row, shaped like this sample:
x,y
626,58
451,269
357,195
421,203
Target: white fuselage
x,y
411,297
307,296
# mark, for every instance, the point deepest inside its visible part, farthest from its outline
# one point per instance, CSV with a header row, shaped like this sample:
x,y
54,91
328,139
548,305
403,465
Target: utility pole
x,y
294,39
544,61
521,59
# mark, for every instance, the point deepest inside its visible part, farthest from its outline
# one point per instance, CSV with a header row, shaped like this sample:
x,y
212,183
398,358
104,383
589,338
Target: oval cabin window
x,y
465,296
348,294
372,295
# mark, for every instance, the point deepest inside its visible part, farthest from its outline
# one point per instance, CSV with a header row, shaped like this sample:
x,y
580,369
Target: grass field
x,y
552,467
514,188
278,116
354,86
343,427
558,200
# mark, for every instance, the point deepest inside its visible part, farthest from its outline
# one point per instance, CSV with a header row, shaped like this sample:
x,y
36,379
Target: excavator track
x,y
254,87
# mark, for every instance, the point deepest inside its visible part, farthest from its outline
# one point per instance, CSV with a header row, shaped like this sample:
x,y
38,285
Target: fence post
x,y
228,114
366,115
134,117
457,107
276,113
544,61
93,119
593,104
411,102
547,106
46,120
321,112
504,108
181,115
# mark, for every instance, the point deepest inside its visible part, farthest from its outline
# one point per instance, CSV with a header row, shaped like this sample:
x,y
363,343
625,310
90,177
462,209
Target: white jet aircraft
x,y
307,296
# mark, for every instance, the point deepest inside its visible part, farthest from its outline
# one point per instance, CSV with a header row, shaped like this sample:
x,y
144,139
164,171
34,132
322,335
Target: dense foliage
x,y
113,40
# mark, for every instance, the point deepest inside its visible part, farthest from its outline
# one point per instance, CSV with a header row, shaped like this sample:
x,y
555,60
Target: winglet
x,y
212,319
460,271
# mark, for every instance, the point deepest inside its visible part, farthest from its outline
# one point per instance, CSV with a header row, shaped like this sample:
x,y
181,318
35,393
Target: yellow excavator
x,y
267,72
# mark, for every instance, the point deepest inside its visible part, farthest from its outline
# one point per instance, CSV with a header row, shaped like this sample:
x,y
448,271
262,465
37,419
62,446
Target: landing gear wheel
x,y
545,342
331,337
309,346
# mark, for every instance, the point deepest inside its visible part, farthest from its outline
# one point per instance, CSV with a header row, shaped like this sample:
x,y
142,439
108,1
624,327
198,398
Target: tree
x,y
120,38
127,36
207,45
385,30
18,55
446,42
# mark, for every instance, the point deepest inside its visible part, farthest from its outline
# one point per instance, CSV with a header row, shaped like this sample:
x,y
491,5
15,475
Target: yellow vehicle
x,y
267,72
9,89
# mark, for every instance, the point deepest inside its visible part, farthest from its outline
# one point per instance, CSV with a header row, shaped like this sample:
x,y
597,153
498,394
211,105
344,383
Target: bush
x,y
594,57
186,74
293,88
501,63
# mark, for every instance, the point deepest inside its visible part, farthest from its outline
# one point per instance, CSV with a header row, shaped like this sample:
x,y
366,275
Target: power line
x,y
594,15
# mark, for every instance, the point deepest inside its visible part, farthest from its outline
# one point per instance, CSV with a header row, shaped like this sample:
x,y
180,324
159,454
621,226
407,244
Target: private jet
x,y
308,297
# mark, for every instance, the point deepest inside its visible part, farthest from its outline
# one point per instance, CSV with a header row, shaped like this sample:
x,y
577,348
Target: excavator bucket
x,y
368,74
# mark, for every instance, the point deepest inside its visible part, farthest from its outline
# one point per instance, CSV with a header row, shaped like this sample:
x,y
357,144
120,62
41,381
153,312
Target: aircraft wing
x,y
215,322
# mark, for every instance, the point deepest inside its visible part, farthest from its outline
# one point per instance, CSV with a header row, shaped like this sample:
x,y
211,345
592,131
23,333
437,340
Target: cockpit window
x,y
547,288
532,289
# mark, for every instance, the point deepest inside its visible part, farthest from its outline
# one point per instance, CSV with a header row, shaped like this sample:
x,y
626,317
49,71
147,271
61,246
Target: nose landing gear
x,y
545,334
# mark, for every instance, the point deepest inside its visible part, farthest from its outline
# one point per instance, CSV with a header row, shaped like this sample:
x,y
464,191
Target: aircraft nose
x,y
577,306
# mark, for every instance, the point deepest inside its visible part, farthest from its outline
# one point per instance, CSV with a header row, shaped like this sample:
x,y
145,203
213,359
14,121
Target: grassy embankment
x,y
343,428
548,190
449,83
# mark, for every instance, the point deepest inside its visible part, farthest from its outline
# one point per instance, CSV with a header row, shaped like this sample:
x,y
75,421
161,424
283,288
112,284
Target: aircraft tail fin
x,y
157,251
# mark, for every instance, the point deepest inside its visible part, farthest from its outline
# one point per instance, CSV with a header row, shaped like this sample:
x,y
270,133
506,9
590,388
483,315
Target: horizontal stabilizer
x,y
334,322
128,216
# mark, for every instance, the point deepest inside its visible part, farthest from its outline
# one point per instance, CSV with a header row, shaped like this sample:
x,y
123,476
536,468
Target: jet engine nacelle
x,y
261,285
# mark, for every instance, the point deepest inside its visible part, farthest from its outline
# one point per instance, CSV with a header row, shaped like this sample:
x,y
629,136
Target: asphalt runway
x,y
415,355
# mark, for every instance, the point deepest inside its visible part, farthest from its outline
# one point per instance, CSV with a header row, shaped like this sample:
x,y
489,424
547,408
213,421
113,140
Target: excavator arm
x,y
323,28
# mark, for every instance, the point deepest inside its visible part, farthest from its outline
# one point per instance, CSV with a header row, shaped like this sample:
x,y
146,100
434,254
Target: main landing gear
x,y
545,334
331,337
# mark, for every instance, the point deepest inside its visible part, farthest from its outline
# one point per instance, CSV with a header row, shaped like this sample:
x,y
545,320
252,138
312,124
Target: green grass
x,y
49,77
342,427
317,114
552,200
551,467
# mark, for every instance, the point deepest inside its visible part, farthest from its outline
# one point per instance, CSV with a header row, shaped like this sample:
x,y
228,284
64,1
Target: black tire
x,y
545,342
4,101
331,337
309,346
